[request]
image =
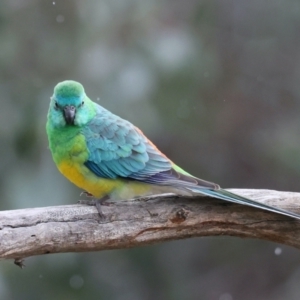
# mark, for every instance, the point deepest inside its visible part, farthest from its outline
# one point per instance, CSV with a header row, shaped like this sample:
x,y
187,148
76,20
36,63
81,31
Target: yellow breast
x,y
70,156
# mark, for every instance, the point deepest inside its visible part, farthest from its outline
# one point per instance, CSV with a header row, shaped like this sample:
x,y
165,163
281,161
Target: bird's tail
x,y
231,197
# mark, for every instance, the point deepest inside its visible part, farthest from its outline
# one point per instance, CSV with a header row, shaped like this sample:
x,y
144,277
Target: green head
x,y
69,105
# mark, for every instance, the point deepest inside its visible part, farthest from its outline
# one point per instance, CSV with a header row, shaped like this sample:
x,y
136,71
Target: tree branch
x,y
78,228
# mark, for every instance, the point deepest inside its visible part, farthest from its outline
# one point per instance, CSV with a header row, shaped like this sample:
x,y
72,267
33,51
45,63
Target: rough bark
x,y
78,228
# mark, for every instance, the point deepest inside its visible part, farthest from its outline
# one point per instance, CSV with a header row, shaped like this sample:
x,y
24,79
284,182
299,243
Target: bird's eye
x,y
82,103
56,105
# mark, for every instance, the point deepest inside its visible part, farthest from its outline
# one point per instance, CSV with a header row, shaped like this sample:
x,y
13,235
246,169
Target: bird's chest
x,y
72,165
69,152
69,148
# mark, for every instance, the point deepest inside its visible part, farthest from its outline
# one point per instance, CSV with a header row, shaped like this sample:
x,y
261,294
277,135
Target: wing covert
x,y
118,149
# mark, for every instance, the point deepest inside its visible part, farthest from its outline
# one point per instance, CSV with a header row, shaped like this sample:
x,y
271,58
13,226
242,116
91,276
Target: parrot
x,y
110,158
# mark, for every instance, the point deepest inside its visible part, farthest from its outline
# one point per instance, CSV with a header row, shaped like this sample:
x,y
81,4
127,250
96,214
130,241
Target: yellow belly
x,y
85,179
117,189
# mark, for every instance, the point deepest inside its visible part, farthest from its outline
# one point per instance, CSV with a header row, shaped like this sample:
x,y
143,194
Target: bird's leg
x,y
95,202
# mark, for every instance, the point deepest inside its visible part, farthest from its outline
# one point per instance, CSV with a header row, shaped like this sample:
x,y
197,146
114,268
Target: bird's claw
x,y
98,203
19,262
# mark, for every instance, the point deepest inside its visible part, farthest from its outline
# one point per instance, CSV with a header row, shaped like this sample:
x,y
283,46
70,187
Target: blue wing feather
x,y
118,149
101,172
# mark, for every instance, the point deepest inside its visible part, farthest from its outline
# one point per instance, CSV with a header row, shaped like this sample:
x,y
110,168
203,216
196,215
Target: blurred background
x,y
214,84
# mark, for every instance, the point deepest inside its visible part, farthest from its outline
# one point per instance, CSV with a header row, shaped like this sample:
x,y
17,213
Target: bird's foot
x,y
19,262
98,203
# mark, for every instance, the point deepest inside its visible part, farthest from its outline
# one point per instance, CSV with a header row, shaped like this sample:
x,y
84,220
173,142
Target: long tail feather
x,y
231,197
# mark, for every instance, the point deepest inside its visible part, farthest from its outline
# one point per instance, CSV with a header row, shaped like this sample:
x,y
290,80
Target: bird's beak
x,y
69,114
